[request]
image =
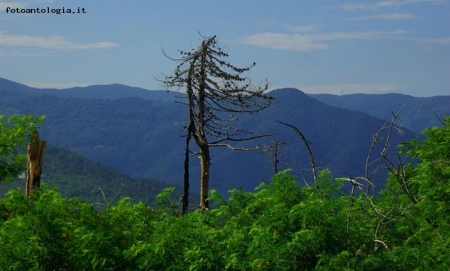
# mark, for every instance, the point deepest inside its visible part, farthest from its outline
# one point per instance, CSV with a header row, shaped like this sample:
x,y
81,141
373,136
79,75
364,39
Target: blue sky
x,y
318,46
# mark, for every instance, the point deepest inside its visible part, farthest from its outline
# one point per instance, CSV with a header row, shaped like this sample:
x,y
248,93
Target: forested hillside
x,y
142,138
417,114
279,226
76,176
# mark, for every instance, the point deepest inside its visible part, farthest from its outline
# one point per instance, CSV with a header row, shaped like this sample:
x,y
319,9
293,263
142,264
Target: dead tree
x,y
396,165
185,197
274,151
308,147
216,91
377,159
35,160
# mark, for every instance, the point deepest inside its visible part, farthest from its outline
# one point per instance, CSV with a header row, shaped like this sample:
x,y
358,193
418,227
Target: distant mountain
x,y
76,176
15,88
115,91
109,92
417,113
142,138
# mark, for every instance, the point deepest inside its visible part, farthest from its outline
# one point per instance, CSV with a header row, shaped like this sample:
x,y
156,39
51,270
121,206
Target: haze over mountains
x,y
416,112
138,132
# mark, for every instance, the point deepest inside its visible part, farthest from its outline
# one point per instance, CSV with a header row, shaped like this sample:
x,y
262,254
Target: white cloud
x,y
384,4
273,24
305,43
51,42
295,42
359,35
393,16
437,41
301,28
55,85
349,88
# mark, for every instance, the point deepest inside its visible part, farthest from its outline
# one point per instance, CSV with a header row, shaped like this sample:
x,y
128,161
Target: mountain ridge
x,y
142,138
417,113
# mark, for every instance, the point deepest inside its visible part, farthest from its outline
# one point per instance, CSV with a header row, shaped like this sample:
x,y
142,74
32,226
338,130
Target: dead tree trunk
x,y
185,197
204,178
35,161
276,152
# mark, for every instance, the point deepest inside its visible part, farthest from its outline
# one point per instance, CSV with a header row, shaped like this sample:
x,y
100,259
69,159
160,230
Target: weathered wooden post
x,y
35,154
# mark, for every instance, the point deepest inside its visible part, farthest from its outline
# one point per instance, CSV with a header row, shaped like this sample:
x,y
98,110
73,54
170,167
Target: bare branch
x,y
384,143
239,139
307,144
379,242
257,148
436,115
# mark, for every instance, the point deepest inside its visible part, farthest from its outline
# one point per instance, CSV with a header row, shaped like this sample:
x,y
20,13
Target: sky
x,y
318,46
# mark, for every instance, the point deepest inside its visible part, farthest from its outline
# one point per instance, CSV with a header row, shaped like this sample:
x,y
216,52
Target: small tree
x,y
216,90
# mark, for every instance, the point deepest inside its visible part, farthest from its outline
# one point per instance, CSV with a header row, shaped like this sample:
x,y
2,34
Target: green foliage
x,y
48,232
279,226
428,222
15,133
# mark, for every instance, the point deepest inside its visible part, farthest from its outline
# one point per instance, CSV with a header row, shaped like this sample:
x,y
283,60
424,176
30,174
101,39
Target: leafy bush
x,y
279,226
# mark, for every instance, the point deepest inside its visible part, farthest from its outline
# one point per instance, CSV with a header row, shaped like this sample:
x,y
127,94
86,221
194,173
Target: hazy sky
x,y
318,46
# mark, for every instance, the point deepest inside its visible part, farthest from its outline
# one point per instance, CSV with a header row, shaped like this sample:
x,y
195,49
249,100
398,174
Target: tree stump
x,y
35,161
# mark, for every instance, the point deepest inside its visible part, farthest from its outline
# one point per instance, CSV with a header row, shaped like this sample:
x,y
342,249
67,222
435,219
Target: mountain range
x,y
417,113
140,132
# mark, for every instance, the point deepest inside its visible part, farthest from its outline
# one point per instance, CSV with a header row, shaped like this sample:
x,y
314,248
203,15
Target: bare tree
x,y
396,166
216,91
308,147
273,150
378,158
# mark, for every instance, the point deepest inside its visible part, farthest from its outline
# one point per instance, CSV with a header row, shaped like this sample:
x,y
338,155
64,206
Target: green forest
x,y
281,225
